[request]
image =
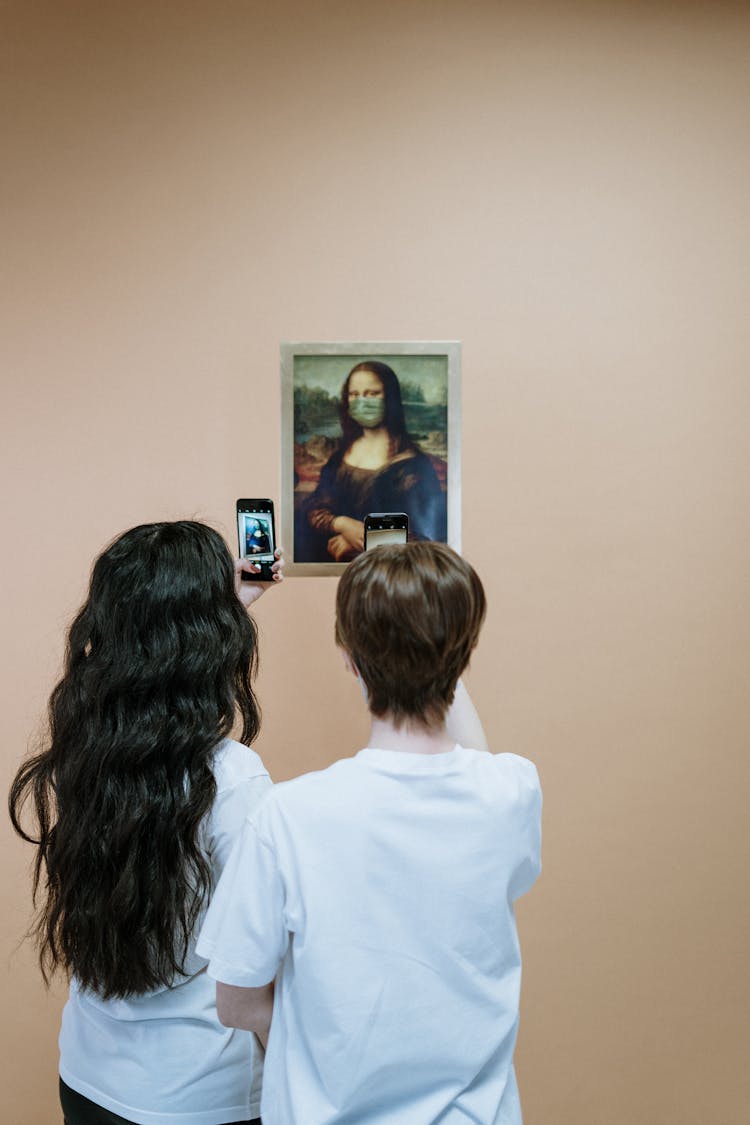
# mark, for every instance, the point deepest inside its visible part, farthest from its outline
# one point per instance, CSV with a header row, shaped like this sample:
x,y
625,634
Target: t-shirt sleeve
x,y
244,936
528,829
231,809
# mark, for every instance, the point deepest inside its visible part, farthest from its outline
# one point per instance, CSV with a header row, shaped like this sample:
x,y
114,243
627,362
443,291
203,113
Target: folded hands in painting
x,y
349,539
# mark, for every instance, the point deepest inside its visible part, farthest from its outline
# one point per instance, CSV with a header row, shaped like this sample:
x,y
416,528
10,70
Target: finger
x,y
246,565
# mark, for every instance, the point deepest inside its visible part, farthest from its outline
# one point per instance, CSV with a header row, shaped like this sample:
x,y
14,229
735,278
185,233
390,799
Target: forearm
x,y
247,1008
353,531
463,723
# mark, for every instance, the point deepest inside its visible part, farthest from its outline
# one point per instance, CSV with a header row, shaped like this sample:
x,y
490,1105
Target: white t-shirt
x,y
163,1058
385,885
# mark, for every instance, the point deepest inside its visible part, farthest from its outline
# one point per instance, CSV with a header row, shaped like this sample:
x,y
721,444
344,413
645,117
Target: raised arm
x,y
463,723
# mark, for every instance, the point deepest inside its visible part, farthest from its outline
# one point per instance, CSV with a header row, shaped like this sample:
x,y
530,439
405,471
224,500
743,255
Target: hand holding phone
x,y
257,538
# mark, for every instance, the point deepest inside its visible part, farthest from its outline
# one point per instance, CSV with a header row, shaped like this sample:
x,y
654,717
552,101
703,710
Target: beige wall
x,y
564,190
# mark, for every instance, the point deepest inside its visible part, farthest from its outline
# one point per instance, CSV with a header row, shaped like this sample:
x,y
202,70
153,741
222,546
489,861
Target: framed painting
x,y
367,427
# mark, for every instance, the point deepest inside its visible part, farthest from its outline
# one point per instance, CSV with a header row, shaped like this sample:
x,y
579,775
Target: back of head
x,y
162,629
409,615
162,608
159,661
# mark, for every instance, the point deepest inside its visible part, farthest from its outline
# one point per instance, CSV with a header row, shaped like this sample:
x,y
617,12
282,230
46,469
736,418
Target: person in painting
x,y
377,468
257,541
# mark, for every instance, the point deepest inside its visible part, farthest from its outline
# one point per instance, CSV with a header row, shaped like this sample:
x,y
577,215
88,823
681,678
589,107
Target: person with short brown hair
x,y
379,892
424,606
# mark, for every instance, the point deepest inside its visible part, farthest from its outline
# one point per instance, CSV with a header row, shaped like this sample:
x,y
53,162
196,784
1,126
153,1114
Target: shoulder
x,y
235,764
514,776
513,765
242,783
413,465
310,794
426,466
334,461
297,790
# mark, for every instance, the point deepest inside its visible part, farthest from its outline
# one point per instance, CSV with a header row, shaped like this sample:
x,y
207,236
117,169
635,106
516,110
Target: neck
x,y
373,433
409,738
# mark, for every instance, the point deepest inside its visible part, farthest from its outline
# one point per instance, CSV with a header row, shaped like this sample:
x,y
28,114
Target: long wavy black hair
x,y
393,420
159,664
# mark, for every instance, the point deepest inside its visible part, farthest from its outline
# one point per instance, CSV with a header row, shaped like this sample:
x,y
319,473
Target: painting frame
x,y
427,364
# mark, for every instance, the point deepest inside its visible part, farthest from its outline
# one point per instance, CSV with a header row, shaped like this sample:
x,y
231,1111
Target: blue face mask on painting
x,y
368,412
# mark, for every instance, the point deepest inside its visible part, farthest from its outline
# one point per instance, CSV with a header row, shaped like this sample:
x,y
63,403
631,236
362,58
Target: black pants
x,y
78,1110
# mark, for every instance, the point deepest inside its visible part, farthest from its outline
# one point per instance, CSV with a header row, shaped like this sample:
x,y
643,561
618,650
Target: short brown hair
x,y
409,616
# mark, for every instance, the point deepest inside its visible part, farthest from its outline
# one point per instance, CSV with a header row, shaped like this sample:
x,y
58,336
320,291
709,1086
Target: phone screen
x,y
385,527
376,537
255,529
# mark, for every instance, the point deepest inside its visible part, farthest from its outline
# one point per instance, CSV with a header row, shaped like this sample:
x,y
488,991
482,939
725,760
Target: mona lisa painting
x,y
367,427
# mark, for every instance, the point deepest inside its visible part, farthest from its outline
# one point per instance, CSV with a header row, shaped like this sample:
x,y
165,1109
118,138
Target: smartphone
x,y
385,527
257,537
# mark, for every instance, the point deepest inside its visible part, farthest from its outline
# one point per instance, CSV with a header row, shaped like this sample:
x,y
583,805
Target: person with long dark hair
x,y
377,467
139,793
